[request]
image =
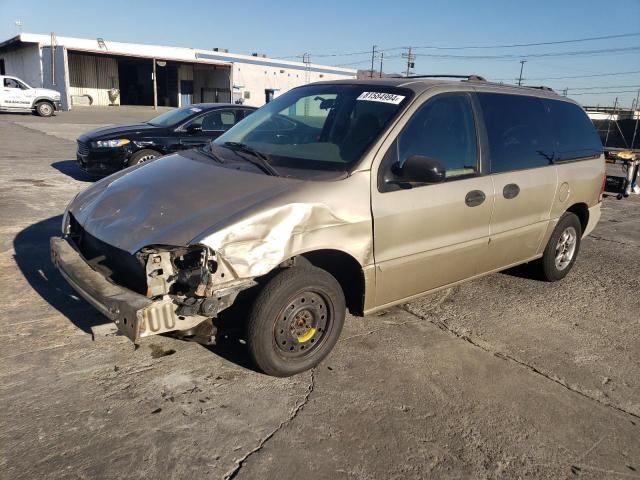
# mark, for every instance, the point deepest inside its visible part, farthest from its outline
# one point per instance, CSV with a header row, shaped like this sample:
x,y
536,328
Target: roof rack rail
x,y
539,87
476,78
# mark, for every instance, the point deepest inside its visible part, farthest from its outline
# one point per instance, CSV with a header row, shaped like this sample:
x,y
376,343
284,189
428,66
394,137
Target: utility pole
x,y
565,91
615,108
522,62
636,113
373,57
306,59
54,43
155,85
18,24
410,60
381,60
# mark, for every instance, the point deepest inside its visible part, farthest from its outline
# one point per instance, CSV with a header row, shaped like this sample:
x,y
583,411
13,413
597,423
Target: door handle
x,y
474,198
510,190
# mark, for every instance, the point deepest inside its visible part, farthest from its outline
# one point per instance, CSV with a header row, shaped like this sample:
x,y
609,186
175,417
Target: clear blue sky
x,y
285,28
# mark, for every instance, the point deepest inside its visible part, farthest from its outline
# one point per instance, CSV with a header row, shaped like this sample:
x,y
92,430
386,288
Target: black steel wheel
x,y
295,321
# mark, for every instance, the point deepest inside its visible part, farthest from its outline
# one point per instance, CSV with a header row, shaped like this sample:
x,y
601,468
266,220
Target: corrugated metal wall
x,y
92,75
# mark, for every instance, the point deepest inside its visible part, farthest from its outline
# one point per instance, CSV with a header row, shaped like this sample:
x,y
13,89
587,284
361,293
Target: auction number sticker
x,y
381,97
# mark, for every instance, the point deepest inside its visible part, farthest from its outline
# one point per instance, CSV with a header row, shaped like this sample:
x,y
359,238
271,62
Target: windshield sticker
x,y
381,97
195,110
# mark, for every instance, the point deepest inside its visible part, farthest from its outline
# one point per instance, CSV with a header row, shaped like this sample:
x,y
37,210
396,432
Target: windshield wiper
x,y
208,151
263,161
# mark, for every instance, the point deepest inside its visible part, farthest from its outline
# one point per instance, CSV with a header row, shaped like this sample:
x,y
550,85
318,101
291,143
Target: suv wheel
x,y
142,156
295,320
44,109
562,248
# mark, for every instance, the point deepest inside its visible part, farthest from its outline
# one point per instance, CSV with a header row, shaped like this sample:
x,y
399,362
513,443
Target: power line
x,y
469,47
602,93
603,87
368,60
578,76
532,55
536,44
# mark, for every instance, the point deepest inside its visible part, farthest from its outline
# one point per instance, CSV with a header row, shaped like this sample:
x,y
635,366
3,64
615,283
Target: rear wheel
x,y
142,156
295,320
562,249
44,109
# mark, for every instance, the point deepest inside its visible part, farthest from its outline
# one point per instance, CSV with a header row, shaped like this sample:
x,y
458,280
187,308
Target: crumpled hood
x,y
170,201
117,131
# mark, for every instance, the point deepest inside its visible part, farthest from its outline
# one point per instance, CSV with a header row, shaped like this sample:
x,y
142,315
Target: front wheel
x,y
44,109
295,320
562,249
142,156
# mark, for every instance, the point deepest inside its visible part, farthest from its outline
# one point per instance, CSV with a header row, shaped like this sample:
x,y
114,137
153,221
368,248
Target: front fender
x,y
255,246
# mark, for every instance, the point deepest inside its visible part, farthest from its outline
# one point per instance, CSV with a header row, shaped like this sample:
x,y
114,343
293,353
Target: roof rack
x,y
476,78
539,87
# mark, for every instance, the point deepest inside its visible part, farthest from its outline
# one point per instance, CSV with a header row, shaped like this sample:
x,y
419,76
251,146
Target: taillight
x,y
604,183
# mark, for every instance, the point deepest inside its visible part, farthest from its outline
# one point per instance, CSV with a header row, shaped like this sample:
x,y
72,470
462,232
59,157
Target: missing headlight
x,y
179,271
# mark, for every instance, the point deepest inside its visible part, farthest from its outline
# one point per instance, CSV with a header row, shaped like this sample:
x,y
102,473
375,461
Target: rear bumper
x,y
135,315
594,217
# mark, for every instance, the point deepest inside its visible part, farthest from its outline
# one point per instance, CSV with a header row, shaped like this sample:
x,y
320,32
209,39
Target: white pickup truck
x,y
16,95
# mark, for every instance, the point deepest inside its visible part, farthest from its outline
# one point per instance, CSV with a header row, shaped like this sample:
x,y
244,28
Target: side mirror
x,y
194,128
420,169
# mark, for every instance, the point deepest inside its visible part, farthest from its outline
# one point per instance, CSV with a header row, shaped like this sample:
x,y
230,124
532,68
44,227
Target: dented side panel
x,y
341,220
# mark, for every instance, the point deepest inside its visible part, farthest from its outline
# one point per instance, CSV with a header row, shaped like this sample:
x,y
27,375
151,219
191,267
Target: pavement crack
x,y
233,473
419,319
602,239
506,357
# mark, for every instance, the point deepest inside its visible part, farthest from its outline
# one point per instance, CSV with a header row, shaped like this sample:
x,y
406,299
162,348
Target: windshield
x,y
174,117
318,127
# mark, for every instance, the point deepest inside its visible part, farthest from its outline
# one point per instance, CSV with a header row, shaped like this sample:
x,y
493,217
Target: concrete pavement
x,y
503,377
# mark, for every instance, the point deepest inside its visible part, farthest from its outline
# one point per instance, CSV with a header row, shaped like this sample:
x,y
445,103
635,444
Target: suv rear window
x,y
517,128
574,134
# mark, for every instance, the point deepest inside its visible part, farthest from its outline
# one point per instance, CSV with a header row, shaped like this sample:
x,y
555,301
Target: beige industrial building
x,y
102,72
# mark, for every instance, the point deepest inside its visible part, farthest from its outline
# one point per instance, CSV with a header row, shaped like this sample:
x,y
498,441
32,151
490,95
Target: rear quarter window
x,y
517,130
574,134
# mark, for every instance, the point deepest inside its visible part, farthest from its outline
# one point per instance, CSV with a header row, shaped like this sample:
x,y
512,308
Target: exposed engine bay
x,y
186,286
191,277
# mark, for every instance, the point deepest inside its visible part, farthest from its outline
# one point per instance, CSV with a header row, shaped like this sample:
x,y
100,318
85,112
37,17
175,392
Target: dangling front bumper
x,y
135,315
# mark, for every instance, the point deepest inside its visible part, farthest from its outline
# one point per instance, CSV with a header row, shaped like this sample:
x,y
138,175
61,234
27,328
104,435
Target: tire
x,y
554,266
295,320
142,156
45,109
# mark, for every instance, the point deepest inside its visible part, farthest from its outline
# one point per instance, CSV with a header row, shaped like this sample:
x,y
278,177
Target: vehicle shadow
x,y
231,342
31,247
70,168
18,114
528,271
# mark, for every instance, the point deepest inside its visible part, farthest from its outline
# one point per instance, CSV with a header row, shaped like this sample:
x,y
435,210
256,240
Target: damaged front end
x,y
192,278
159,289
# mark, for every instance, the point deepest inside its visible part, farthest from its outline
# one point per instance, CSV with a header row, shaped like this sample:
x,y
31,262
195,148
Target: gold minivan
x,y
337,195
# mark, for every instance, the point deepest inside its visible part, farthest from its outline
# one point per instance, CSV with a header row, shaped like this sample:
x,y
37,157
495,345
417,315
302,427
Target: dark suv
x,y
109,149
